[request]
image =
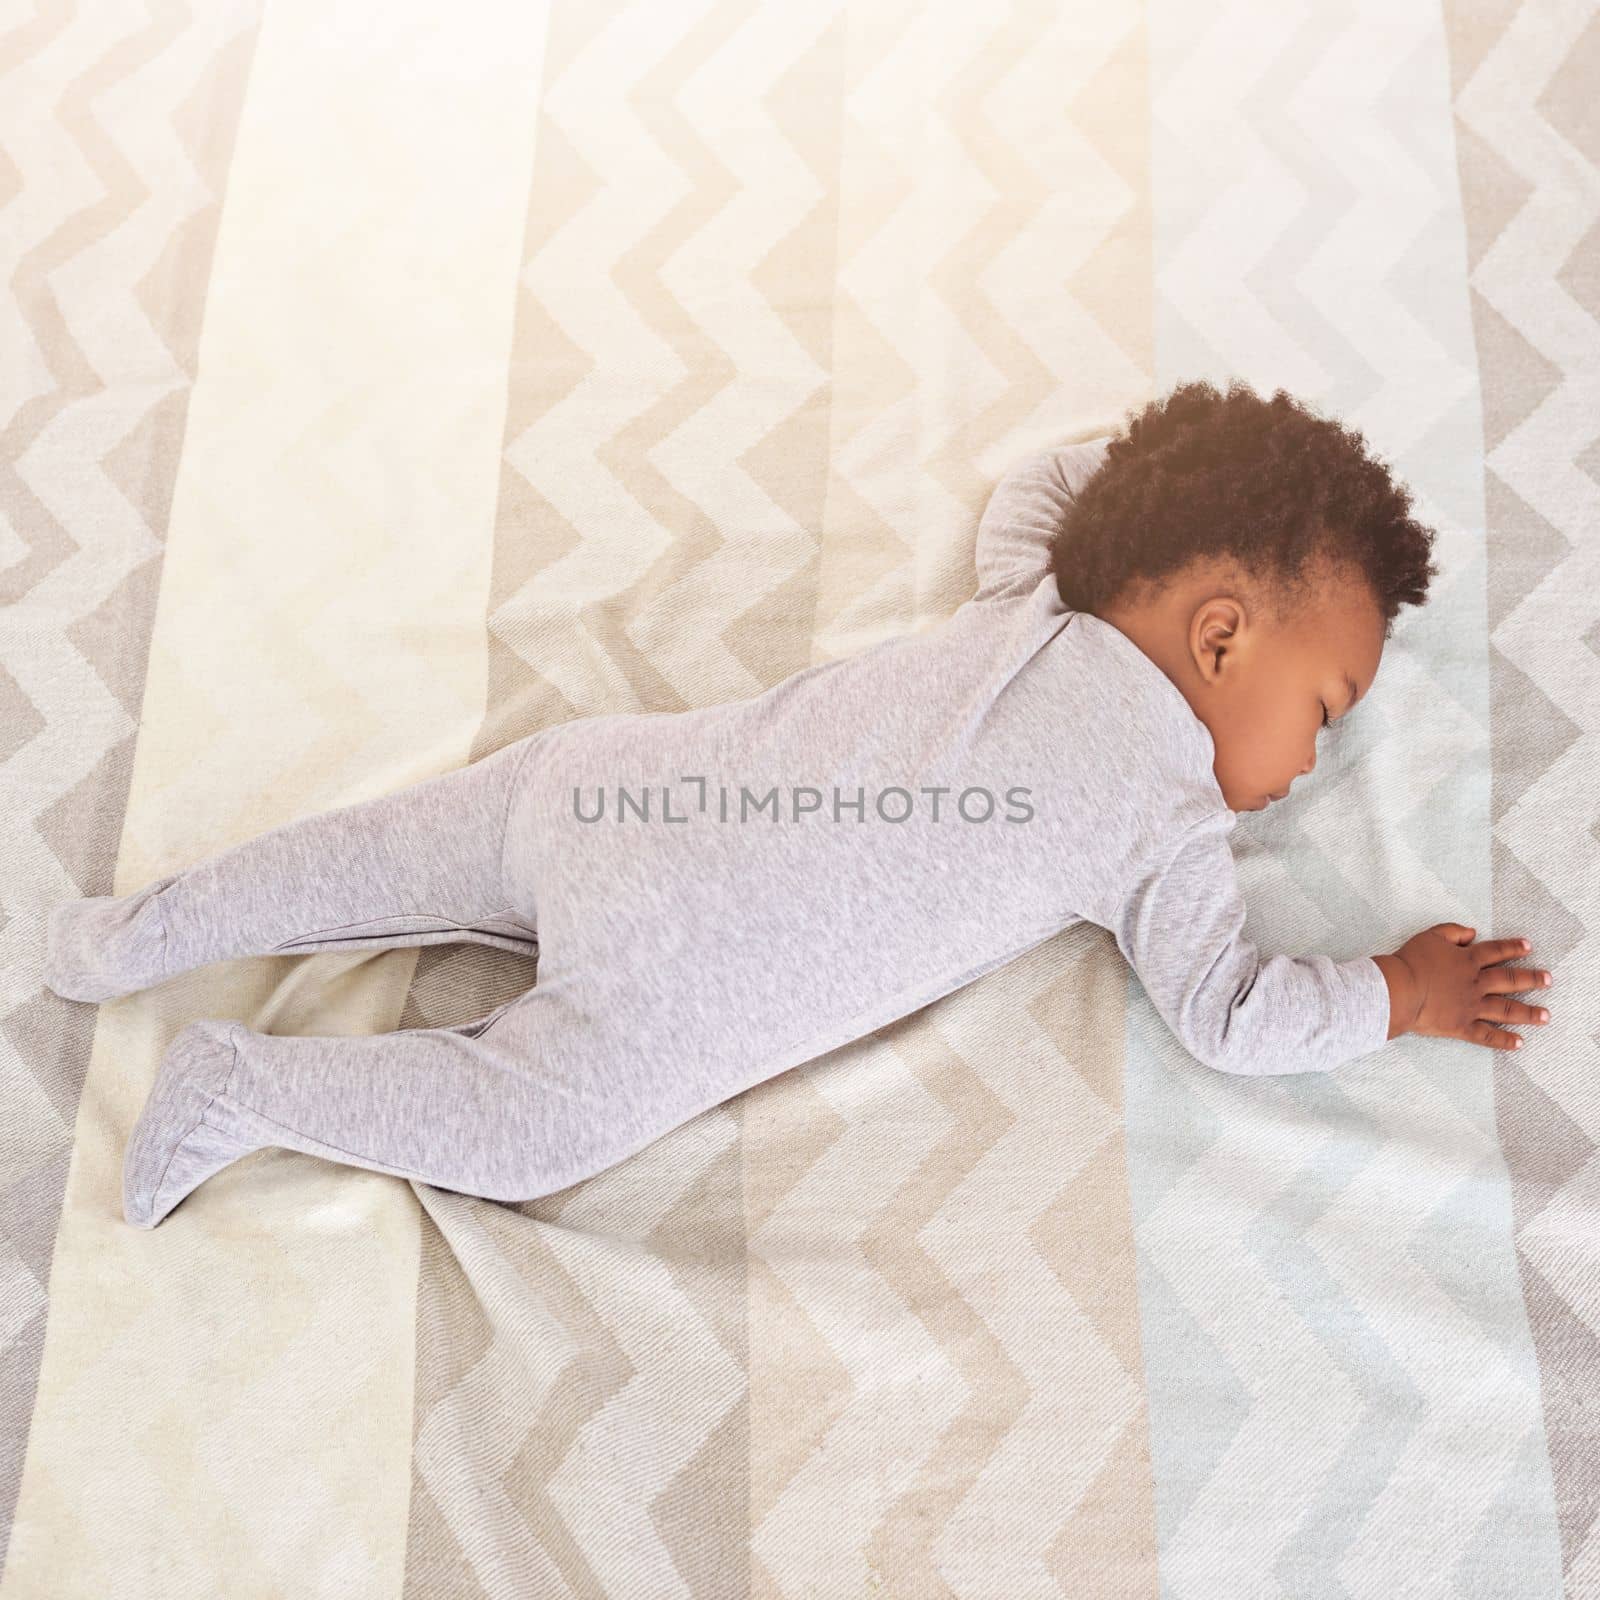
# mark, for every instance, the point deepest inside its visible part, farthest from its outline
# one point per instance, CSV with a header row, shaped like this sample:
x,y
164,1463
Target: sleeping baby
x,y
1167,620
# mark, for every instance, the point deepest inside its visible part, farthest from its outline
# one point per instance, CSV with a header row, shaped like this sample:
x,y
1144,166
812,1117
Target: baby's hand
x,y
1442,983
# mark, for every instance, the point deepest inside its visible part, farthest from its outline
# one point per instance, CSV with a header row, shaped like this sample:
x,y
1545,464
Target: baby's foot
x,y
172,1149
105,946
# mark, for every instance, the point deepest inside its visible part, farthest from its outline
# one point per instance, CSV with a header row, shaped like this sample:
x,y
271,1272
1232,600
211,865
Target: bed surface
x,y
387,383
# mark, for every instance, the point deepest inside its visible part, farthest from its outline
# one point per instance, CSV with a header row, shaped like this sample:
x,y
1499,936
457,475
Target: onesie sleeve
x,y
1025,513
1181,927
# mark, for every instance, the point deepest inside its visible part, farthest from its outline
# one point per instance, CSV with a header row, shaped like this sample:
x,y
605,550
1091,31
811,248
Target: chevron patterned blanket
x,y
388,381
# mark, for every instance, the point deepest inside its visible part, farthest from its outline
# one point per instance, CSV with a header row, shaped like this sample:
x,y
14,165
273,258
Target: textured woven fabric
x,y
391,383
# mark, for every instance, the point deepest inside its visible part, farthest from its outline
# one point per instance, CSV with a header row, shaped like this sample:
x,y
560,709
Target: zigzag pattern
x,y
115,147
1320,213
1528,159
612,359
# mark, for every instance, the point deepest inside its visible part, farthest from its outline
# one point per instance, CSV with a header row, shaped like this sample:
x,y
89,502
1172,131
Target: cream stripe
x,y
232,1391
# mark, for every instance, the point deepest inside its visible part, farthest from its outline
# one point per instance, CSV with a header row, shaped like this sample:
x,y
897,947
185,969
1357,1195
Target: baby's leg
x,y
486,1108
414,867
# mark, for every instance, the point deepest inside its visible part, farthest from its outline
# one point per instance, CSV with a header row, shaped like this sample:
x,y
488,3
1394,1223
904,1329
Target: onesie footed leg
x,y
420,865
106,946
173,1148
508,1107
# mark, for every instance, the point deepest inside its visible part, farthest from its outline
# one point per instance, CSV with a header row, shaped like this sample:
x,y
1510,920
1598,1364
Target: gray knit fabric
x,y
720,894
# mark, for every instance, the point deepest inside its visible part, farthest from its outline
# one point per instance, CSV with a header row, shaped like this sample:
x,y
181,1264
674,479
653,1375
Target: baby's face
x,y
1266,707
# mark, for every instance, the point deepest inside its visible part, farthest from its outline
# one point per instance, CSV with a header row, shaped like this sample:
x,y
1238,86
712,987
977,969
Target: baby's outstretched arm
x,y
1026,510
1181,928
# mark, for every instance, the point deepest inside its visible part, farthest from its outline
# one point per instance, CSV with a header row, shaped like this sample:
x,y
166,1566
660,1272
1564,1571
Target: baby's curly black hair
x,y
1267,482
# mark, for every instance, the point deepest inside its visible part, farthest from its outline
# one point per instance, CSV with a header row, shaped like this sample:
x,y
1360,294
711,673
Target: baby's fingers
x,y
1514,980
1490,951
1482,1033
1494,1008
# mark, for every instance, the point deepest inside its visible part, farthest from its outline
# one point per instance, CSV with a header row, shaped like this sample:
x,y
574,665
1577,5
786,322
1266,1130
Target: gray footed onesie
x,y
720,894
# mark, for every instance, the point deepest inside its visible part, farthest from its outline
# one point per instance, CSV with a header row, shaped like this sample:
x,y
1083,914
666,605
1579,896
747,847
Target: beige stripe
x,y
232,1391
945,1370
994,286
